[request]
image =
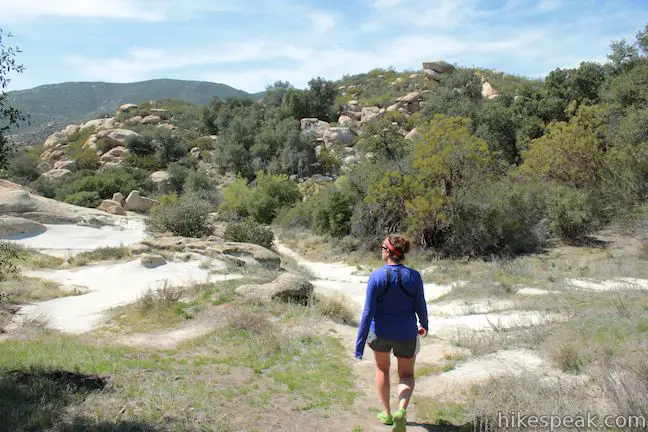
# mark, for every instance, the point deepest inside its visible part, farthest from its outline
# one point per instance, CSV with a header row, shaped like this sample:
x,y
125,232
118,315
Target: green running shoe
x,y
385,418
400,420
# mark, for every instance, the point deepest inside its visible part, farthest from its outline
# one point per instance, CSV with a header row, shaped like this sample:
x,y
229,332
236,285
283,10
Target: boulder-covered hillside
x,y
51,107
467,162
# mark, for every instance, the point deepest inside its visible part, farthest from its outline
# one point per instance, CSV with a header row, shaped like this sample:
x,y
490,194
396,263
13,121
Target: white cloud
x,y
290,46
432,16
386,3
141,10
322,21
140,62
549,5
26,9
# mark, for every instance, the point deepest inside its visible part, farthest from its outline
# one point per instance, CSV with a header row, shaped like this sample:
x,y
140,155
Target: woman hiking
x,y
395,298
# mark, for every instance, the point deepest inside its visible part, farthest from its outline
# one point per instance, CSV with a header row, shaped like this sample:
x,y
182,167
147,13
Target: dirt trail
x,y
445,320
341,278
107,286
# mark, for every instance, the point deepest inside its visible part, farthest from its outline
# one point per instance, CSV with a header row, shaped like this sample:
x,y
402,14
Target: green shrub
x,y
8,258
263,201
299,215
146,163
87,159
186,216
22,168
332,213
236,199
249,231
203,143
84,199
348,244
44,187
170,148
105,144
569,214
141,145
271,193
178,173
199,184
104,183
501,219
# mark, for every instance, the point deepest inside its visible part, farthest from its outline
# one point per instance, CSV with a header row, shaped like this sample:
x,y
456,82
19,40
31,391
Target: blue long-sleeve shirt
x,y
395,316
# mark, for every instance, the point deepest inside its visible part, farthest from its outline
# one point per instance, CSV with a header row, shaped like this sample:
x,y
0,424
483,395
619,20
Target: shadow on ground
x,y
37,400
430,427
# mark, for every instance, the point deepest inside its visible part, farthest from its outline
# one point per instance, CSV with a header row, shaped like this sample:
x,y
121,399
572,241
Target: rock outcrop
x,y
138,203
16,200
435,69
113,207
152,261
14,226
315,126
287,287
488,91
162,181
233,252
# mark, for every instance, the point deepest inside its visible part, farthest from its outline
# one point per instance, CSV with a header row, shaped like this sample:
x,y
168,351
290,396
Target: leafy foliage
x,y
186,216
249,231
8,258
10,115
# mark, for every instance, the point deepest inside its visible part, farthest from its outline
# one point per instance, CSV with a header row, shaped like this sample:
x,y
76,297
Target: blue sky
x,y
249,44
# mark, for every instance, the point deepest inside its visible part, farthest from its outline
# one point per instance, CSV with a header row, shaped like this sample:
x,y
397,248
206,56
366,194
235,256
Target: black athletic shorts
x,y
403,349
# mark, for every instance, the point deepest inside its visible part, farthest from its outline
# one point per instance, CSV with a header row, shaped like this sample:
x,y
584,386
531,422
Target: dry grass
x,y
335,307
170,305
26,289
529,394
308,245
265,360
98,255
30,259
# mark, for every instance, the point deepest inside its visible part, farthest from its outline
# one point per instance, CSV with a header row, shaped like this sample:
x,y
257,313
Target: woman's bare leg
x,y
406,385
382,379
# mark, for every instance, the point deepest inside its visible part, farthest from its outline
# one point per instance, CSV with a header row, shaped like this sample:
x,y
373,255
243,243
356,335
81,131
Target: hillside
x,y
53,106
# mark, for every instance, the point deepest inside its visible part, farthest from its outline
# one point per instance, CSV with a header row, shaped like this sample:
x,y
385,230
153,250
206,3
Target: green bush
x,y
500,219
199,184
348,244
87,159
178,173
569,214
8,258
146,163
170,148
299,215
236,200
263,201
84,199
332,213
203,143
22,168
44,187
249,231
271,193
103,183
186,216
141,145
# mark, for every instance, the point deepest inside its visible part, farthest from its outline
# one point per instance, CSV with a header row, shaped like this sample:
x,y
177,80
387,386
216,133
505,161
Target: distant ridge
x,y
53,106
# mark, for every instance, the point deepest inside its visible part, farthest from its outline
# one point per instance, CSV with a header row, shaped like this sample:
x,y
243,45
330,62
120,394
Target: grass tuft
x,y
97,255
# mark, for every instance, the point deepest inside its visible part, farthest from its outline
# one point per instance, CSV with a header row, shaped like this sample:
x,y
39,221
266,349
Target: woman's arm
x,y
419,305
367,316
